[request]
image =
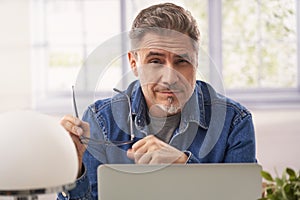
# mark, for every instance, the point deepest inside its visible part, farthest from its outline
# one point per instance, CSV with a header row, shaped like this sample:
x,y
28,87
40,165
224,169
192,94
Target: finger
x,y
150,140
130,154
138,144
70,127
141,151
72,119
144,159
155,159
136,155
76,121
81,126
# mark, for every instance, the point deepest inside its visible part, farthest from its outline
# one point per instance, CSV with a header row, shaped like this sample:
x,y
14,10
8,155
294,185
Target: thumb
x,y
130,154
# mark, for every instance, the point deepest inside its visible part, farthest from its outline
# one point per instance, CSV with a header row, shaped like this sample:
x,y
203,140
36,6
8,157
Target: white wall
x,y
15,74
278,139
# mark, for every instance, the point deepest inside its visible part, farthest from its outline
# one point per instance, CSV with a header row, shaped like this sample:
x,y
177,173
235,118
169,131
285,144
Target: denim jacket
x,y
213,129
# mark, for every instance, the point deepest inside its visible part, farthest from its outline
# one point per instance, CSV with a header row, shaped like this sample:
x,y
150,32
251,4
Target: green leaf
x,y
269,191
278,181
277,196
287,190
266,175
291,173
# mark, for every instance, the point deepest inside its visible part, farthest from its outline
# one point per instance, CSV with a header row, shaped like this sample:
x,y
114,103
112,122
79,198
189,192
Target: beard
x,y
170,109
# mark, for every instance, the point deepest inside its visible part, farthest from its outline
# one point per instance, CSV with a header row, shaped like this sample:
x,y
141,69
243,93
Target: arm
x,y
236,146
91,157
241,142
81,191
76,128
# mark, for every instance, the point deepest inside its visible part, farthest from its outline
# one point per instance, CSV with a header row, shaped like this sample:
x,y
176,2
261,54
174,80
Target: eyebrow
x,y
153,53
185,55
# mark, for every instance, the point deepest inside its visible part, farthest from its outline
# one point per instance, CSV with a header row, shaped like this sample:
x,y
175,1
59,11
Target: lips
x,y
169,92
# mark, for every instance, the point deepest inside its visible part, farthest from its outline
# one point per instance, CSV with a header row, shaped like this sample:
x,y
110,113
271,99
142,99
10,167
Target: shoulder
x,y
105,106
214,100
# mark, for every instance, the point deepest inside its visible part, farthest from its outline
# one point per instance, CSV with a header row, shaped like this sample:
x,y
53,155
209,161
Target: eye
x,y
182,61
155,61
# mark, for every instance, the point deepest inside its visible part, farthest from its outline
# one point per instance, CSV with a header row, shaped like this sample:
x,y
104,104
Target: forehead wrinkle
x,y
155,53
163,53
170,44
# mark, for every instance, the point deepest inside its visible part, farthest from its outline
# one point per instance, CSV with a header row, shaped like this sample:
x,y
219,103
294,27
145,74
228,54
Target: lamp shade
x,y
36,153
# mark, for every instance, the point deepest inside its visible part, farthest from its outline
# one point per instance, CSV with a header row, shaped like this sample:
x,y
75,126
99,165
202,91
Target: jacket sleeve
x,y
191,158
241,142
82,190
86,185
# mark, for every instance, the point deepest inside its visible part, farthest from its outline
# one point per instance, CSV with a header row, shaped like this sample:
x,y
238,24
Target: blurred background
x,y
254,46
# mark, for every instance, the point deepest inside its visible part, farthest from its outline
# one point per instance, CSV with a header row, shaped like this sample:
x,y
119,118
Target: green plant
x,y
285,188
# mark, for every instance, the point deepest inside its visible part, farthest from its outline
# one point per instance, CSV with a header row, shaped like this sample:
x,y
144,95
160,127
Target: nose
x,y
169,76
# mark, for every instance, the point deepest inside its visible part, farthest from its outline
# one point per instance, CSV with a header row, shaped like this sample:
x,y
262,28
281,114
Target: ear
x,y
133,62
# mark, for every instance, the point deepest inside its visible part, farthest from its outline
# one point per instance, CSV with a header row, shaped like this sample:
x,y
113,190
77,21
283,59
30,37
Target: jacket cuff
x,y
191,158
82,189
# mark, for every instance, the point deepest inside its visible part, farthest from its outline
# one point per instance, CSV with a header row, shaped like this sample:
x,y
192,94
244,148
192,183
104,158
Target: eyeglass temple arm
x,y
74,102
129,104
130,112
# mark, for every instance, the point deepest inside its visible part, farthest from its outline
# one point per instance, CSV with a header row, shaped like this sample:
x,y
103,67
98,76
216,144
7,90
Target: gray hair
x,y
167,16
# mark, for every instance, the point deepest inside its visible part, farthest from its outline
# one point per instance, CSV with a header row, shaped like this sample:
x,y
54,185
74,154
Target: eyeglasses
x,y
90,141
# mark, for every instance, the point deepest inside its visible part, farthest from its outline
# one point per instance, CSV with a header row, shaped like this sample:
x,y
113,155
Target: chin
x,y
171,109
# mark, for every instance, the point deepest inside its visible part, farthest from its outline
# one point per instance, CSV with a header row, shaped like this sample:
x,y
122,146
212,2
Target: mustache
x,y
168,88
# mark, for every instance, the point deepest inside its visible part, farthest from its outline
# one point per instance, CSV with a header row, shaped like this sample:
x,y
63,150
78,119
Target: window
x,y
64,33
259,44
252,44
69,31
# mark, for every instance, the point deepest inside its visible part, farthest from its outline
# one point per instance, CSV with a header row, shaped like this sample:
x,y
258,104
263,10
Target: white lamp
x,y
37,155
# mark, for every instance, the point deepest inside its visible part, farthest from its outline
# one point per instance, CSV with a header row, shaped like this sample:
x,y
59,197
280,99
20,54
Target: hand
x,y
76,128
151,150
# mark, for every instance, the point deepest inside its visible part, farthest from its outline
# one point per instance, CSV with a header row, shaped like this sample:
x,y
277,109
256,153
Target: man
x,y
172,117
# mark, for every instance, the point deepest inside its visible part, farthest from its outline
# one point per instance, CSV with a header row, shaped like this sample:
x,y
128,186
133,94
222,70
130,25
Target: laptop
x,y
179,182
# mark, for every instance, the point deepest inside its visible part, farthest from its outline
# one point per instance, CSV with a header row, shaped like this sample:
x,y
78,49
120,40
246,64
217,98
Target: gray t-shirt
x,y
164,127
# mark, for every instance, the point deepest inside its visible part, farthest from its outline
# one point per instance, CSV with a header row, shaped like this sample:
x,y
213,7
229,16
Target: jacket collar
x,y
193,111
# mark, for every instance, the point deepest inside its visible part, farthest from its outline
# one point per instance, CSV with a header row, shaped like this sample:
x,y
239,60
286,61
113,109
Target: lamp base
x,y
33,197
33,194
